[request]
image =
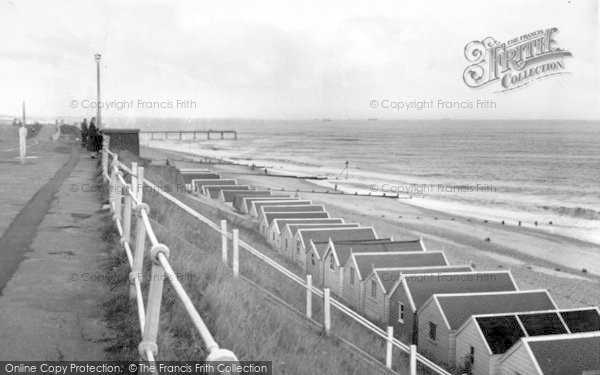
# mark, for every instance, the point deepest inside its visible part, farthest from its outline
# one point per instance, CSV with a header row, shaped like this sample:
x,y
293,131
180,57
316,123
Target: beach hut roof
x,y
270,216
390,276
322,235
565,354
281,223
502,331
343,249
366,262
422,286
456,308
294,228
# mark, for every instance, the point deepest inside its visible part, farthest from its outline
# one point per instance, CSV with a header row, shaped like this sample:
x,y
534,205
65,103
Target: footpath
x,y
52,250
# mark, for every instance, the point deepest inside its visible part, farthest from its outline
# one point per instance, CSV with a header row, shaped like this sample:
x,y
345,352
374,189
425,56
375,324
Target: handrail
x,y
340,306
125,199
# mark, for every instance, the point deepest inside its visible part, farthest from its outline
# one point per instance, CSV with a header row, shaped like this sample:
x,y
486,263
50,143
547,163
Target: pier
x,y
194,132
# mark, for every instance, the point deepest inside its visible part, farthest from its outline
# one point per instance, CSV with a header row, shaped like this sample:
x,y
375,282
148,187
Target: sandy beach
x,y
537,257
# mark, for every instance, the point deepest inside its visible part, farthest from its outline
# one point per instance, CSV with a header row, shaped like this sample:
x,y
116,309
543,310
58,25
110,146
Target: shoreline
x,y
537,259
499,207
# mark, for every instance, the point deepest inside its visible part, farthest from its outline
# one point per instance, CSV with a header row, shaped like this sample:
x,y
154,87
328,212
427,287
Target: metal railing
x,y
160,252
126,200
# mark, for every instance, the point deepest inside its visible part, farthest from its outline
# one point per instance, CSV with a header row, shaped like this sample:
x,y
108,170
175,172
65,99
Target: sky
x,y
274,59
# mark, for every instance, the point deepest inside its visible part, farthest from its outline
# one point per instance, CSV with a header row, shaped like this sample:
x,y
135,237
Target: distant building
x,y
443,314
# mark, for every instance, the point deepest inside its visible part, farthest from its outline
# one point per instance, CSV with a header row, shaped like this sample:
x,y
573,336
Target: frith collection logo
x,y
515,63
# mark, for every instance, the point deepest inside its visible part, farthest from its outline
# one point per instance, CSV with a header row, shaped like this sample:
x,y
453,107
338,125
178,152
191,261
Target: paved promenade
x,y
50,238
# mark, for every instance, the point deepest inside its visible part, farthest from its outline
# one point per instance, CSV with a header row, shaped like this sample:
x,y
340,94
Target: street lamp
x,y
98,114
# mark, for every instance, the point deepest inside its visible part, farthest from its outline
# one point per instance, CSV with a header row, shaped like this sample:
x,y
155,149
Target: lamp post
x,y
98,111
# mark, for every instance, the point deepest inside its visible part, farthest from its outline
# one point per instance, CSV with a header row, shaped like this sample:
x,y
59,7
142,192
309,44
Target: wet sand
x,y
537,258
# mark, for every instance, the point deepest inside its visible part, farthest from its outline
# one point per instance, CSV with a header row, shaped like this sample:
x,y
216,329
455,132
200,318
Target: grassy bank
x,y
242,317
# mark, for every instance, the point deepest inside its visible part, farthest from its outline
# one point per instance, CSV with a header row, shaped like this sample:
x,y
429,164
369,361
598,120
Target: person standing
x,y
84,132
22,142
92,139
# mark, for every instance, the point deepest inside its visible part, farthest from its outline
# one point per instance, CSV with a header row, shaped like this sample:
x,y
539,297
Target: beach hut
x,y
213,191
377,288
443,314
278,225
263,225
407,296
484,338
241,204
289,232
575,354
189,176
256,211
301,240
268,218
359,266
228,196
198,184
337,254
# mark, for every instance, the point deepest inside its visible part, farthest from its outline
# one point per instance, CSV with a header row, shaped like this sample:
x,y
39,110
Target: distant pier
x,y
232,133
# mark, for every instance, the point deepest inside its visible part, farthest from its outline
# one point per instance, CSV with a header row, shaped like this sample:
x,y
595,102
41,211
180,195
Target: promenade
x,y
51,248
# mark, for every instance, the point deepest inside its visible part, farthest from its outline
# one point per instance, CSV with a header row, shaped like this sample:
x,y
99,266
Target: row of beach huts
x,y
476,322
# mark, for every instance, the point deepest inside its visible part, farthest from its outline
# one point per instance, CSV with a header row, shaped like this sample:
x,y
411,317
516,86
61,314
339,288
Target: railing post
x,y
105,146
326,312
308,296
389,347
126,217
236,253
140,181
118,196
154,301
413,360
224,240
134,179
113,180
140,244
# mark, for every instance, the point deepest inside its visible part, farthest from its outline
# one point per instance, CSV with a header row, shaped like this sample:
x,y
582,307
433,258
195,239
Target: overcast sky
x,y
286,59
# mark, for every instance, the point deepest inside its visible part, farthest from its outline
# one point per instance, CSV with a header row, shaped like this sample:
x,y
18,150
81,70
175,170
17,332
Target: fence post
x,y
413,360
236,253
389,347
326,312
138,255
224,240
154,301
134,179
140,181
309,296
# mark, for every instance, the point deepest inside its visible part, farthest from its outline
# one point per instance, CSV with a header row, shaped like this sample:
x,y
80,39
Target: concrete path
x,y
51,307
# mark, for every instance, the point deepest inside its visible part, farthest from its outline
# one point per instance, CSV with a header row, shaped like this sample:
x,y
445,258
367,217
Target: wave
x,y
575,212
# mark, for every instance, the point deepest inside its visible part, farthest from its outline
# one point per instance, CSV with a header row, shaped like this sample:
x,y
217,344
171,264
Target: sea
x,y
545,174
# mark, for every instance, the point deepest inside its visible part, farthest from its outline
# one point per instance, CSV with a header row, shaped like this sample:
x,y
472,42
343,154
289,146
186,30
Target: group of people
x,y
91,138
